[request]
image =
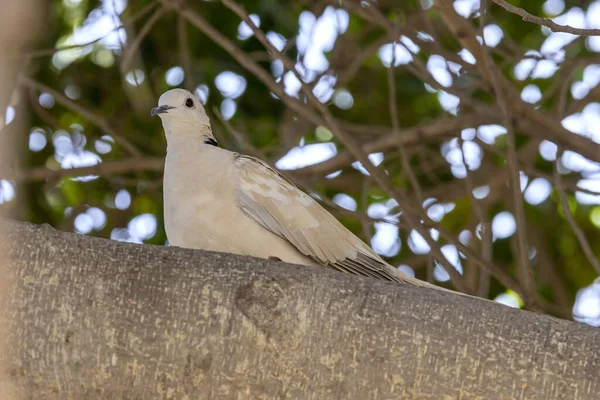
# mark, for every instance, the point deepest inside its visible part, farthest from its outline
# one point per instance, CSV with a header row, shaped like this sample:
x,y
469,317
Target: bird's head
x,y
181,113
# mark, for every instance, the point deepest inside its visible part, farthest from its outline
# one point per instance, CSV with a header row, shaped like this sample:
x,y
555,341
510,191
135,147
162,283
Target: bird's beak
x,y
160,110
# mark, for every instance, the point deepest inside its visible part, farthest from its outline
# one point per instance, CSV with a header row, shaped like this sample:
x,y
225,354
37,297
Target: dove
x,y
219,200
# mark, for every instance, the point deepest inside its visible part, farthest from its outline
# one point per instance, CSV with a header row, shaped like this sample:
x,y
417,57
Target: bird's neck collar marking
x,y
211,141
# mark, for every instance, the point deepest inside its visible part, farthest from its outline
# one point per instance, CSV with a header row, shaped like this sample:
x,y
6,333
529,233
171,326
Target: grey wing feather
x,y
279,206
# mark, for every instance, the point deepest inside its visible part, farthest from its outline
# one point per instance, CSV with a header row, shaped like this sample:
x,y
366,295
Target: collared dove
x,y
219,200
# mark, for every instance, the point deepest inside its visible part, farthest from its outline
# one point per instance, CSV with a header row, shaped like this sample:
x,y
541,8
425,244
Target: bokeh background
x,y
396,80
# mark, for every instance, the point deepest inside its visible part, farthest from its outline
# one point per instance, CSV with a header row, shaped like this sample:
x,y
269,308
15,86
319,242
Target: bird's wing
x,y
279,206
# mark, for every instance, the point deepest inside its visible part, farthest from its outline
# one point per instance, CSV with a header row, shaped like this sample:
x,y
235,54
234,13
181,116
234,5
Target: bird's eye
x,y
189,103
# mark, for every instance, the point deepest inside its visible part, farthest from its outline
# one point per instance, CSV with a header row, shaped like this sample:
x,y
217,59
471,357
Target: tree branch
x,y
536,121
440,128
138,321
404,160
100,122
105,168
49,52
133,46
547,22
412,212
524,268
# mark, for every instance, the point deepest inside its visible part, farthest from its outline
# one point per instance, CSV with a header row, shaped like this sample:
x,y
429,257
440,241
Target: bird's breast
x,y
200,211
196,191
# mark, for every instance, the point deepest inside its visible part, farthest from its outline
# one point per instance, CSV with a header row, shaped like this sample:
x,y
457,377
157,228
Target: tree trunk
x,y
21,22
92,318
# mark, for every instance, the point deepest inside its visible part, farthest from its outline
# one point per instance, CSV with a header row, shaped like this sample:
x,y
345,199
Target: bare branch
x,y
105,168
404,160
578,105
184,53
579,234
414,213
378,175
466,34
50,52
131,49
487,63
238,137
249,64
547,22
486,227
545,123
100,122
443,127
583,242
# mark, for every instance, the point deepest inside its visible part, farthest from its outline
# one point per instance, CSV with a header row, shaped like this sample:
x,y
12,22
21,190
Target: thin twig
x,y
436,130
547,22
184,53
486,231
579,234
413,213
350,143
239,138
536,122
531,171
249,64
465,33
524,269
578,105
547,261
131,49
50,52
391,76
100,122
247,147
364,199
105,168
41,112
583,242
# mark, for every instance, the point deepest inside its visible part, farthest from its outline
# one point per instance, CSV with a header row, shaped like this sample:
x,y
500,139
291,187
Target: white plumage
x,y
223,201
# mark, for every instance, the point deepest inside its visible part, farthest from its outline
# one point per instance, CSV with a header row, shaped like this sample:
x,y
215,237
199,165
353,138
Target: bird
x,y
224,201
